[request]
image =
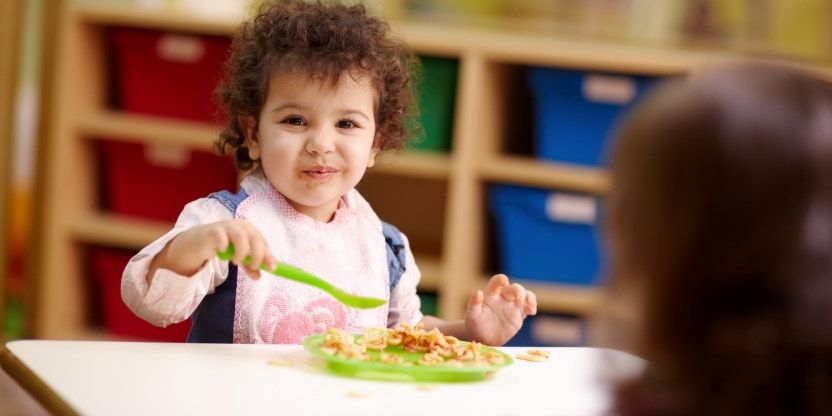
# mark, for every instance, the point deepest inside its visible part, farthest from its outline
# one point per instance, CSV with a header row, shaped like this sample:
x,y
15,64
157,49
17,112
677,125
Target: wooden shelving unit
x,y
10,37
452,258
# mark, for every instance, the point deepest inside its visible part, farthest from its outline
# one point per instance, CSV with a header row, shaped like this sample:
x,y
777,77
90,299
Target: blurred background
x,y
107,118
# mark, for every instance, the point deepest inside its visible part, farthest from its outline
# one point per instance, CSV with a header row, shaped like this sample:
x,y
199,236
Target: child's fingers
x,y
254,274
515,293
242,247
248,242
245,243
496,284
531,303
475,304
218,238
258,252
270,261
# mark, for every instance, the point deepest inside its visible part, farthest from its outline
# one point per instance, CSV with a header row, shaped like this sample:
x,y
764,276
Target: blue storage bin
x,y
551,330
545,235
575,111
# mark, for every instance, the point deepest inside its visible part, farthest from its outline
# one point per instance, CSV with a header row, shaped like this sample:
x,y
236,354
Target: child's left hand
x,y
495,316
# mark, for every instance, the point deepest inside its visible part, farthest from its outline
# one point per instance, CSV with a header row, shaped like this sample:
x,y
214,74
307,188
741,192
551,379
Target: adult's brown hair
x,y
720,229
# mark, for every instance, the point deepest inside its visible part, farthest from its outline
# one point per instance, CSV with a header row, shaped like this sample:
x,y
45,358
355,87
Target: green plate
x,y
408,371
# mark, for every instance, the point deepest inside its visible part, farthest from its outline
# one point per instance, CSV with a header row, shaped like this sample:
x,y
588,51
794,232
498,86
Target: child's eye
x,y
346,124
294,120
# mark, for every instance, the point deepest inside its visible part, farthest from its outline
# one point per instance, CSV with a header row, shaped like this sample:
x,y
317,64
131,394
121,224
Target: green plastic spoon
x,y
298,275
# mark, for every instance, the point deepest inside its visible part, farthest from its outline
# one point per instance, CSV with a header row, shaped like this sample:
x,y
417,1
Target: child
x,y
720,229
314,91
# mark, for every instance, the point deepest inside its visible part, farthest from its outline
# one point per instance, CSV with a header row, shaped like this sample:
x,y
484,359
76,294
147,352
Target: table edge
x,y
29,381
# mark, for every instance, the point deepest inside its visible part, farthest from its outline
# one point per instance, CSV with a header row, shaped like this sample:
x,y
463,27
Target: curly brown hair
x,y
323,39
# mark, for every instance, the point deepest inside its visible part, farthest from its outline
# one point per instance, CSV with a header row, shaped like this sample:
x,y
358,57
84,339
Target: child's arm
x,y
186,253
492,317
163,296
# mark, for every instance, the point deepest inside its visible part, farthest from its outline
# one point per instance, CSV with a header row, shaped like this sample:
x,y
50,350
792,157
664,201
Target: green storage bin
x,y
437,99
428,303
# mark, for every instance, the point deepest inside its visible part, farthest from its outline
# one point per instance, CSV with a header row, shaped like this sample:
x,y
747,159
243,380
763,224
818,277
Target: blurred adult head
x,y
720,233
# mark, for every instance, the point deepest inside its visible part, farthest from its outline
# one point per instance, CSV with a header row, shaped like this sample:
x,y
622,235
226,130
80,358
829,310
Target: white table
x,y
134,378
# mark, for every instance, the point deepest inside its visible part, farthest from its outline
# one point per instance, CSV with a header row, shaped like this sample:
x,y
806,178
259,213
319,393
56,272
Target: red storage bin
x,y
106,267
156,181
168,74
172,75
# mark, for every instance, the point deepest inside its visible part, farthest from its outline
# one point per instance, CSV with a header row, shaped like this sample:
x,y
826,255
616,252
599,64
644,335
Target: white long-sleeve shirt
x,y
348,251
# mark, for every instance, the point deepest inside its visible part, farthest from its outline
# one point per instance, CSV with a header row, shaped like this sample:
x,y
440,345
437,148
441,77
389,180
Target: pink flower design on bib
x,y
280,326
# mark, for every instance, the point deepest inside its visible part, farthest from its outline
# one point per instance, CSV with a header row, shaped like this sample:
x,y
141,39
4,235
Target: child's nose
x,y
320,142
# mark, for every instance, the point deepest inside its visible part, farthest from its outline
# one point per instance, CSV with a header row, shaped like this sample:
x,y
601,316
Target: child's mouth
x,y
320,172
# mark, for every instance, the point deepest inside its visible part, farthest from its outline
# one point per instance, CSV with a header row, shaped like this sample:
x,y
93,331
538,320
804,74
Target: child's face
x,y
314,141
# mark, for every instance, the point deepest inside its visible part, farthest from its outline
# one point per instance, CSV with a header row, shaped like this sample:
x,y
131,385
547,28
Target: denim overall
x,y
213,319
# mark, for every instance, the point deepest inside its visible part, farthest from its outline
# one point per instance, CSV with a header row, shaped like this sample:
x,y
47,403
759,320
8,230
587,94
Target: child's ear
x,y
377,140
249,126
372,160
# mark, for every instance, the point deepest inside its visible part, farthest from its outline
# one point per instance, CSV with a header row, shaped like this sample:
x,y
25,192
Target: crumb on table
x,y
534,355
280,362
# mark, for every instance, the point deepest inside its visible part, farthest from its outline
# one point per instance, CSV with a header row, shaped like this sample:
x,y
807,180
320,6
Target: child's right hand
x,y
189,251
